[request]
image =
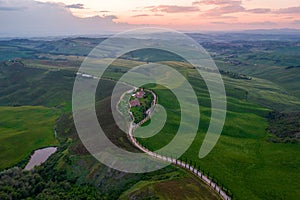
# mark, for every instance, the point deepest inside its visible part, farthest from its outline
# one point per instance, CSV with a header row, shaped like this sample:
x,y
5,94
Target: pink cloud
x,y
290,10
296,22
172,9
259,10
146,15
217,2
141,15
51,19
229,6
221,10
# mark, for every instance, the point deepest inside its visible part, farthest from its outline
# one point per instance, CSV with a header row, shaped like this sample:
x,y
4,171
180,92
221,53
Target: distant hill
x,y
284,31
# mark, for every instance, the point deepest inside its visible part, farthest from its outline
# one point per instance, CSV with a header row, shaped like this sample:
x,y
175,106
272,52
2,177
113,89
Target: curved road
x,y
179,163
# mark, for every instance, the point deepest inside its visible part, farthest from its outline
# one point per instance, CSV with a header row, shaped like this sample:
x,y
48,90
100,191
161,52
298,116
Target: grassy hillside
x,y
277,62
244,159
21,85
186,187
82,168
24,129
72,171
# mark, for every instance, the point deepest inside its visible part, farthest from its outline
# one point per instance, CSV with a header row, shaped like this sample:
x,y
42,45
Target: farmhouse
x,y
140,94
134,103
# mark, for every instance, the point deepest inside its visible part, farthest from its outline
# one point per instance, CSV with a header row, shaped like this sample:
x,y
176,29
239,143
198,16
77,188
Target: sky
x,y
79,17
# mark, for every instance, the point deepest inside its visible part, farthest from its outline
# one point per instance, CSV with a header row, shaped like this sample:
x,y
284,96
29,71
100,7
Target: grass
x,y
24,129
287,80
285,126
243,160
84,168
7,52
254,168
182,186
21,85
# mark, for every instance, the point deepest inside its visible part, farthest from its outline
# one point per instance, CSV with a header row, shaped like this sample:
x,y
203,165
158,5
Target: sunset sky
x,y
91,16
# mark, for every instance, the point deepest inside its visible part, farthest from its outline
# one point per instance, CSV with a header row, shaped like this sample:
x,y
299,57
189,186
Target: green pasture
x,y
24,129
243,160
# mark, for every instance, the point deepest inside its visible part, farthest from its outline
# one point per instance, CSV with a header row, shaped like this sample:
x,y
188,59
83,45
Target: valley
x,y
251,159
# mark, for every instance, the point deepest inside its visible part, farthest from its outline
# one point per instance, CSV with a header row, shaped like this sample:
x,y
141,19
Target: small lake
x,y
40,156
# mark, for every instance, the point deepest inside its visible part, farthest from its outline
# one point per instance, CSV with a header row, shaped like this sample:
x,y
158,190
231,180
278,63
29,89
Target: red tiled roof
x,y
135,103
140,94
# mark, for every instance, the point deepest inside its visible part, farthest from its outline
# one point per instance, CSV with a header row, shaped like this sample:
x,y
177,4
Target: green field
x,y
112,184
178,186
243,159
243,151
24,129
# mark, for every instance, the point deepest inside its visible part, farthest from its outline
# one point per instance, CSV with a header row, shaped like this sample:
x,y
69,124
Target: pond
x,y
40,156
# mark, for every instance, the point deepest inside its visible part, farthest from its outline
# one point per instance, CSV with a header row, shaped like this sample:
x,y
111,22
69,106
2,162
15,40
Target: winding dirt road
x,y
176,162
